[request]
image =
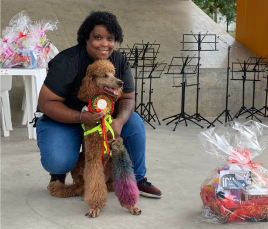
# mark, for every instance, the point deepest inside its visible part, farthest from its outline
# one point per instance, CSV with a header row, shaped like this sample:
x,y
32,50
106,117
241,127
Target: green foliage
x,y
229,11
226,7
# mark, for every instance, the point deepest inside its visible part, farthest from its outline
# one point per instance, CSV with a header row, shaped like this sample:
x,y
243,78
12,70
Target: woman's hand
x,y
90,119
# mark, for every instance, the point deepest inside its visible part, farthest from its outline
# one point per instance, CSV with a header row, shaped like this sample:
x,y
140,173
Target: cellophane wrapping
x,y
237,191
25,43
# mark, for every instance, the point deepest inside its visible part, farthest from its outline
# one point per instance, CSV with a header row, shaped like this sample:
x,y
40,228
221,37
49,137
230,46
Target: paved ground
x,y
176,162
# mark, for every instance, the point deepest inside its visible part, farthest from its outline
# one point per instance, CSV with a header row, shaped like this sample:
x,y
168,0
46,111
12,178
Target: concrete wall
x,y
162,21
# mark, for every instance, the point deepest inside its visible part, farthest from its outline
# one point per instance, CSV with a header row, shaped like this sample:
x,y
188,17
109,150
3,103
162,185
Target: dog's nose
x,y
120,83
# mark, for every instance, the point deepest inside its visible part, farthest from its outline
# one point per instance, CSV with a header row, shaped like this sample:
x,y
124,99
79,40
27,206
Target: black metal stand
x,y
253,109
141,105
258,64
136,93
145,52
199,41
244,70
150,116
136,75
265,108
181,116
228,117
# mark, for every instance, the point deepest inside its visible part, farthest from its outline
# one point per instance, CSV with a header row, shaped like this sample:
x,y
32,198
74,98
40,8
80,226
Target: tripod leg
x,y
155,114
136,109
185,121
170,117
143,119
149,123
258,112
174,119
176,124
182,118
229,117
185,118
202,118
255,117
145,109
149,116
194,122
238,113
261,113
251,115
217,119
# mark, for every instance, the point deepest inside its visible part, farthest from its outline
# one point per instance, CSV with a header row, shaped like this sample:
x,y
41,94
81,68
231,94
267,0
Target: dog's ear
x,y
87,89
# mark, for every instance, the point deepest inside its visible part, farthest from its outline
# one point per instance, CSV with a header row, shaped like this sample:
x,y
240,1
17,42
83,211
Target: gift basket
x,y
25,43
237,191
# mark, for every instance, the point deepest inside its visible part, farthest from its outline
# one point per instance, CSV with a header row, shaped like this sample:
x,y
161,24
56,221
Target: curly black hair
x,y
107,19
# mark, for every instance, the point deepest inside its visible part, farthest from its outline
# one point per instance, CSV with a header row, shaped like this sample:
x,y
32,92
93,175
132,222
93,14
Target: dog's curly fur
x,y
90,178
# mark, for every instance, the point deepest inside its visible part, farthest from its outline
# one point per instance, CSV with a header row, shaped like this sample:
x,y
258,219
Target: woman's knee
x,y
58,162
59,146
133,126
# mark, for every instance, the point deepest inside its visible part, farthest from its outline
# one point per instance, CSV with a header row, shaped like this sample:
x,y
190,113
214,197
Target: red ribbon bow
x,y
246,155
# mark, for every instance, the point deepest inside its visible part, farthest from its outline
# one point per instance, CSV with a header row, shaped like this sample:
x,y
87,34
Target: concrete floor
x,y
176,162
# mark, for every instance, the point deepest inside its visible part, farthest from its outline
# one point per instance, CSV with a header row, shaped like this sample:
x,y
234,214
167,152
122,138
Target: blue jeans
x,y
59,144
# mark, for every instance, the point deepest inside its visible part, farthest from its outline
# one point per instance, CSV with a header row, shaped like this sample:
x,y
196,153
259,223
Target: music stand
x,y
143,55
244,69
226,111
206,40
257,70
264,67
183,69
158,70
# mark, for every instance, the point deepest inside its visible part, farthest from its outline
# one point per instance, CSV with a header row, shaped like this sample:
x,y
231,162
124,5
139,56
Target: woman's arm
x,y
52,105
124,108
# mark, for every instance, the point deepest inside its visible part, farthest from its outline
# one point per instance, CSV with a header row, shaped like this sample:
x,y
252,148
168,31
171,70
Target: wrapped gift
x,y
25,43
237,191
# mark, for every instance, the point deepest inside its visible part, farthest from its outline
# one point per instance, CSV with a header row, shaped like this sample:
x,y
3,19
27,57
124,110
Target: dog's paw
x,y
93,213
134,210
54,188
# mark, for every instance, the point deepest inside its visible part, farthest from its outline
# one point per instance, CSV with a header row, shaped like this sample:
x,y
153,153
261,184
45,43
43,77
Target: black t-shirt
x,y
68,68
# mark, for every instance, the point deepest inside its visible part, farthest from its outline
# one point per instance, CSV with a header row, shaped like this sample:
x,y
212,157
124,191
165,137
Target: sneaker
x,y
60,177
147,189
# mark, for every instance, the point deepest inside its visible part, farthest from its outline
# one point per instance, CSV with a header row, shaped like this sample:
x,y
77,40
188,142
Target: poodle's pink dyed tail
x,y
125,185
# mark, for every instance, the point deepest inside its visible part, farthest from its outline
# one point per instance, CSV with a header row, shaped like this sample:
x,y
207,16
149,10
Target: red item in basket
x,y
228,211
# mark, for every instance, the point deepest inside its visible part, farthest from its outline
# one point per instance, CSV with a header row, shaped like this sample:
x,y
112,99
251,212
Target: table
x,y
33,80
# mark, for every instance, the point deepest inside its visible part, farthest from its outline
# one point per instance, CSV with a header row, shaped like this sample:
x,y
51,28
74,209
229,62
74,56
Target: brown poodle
x,y
90,178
